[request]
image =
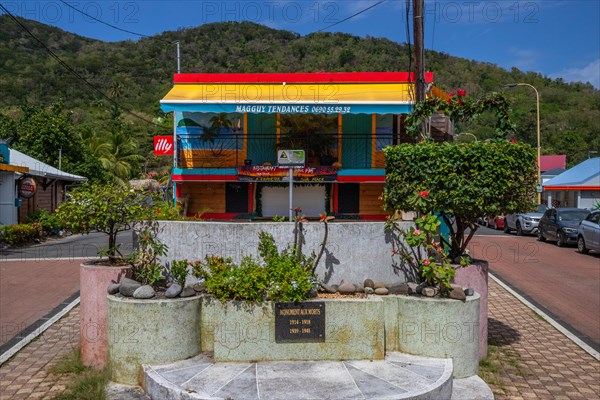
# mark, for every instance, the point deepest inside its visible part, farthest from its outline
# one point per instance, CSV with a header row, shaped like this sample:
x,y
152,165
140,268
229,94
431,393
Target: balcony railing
x,y
352,151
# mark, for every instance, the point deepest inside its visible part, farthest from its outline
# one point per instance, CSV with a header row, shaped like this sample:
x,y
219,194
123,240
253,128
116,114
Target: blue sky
x,y
557,38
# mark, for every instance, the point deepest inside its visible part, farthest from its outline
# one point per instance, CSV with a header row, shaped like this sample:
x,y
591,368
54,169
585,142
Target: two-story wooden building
x,y
229,127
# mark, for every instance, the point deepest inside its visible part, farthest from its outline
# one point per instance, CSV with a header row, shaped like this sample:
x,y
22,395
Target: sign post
x,y
292,159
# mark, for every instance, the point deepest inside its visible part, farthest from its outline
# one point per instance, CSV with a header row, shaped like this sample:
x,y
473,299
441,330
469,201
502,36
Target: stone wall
x,y
354,251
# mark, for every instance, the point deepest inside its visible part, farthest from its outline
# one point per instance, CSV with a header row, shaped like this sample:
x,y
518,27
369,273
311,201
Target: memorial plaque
x,y
300,322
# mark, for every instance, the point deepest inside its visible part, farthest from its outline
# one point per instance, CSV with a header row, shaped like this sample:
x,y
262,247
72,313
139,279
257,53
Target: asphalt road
x,y
560,281
73,247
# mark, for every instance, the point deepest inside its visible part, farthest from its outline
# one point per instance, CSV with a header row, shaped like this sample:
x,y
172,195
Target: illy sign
x,y
163,145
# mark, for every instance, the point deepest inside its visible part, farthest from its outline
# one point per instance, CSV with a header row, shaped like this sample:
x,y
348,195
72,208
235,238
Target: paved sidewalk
x,y
534,360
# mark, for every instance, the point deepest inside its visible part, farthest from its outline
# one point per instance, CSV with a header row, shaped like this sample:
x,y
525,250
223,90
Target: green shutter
x,y
356,141
262,139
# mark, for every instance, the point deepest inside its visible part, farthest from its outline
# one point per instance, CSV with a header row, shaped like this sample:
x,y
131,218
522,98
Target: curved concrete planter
x,y
476,276
435,327
94,281
239,332
150,332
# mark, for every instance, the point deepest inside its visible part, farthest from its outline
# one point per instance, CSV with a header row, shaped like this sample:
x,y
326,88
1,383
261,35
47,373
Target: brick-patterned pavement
x,y
532,359
26,376
536,360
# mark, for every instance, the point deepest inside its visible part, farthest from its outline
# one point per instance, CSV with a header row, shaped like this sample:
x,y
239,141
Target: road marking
x,y
37,332
587,348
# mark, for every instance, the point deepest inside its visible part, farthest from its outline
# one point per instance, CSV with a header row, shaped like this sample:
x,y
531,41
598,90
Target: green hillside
x,y
136,74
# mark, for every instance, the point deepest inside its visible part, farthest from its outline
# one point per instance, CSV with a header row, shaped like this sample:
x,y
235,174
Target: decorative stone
x,y
400,288
381,291
429,291
187,291
144,292
113,288
379,285
360,288
312,293
346,287
469,292
329,288
412,288
421,286
128,286
369,290
199,287
457,292
369,283
173,291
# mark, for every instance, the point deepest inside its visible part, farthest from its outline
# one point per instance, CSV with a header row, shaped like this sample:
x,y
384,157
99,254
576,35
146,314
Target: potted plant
x,y
111,209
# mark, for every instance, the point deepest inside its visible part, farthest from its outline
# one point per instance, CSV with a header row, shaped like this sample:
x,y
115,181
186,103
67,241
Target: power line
x,y
71,70
350,17
114,26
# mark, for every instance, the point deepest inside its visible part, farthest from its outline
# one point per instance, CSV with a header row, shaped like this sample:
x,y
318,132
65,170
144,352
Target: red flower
x,y
394,251
424,193
461,93
451,94
513,141
460,102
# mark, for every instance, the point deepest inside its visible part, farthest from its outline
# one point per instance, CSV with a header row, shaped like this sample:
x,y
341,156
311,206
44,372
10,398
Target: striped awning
x,y
317,93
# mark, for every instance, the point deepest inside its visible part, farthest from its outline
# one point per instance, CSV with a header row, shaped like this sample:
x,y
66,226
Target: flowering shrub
x,y
419,251
22,233
463,182
277,276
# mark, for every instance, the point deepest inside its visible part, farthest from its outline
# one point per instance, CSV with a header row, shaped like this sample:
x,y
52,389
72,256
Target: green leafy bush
x,y
464,182
277,276
49,222
179,271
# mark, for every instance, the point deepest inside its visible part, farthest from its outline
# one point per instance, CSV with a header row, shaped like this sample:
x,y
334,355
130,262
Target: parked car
x,y
588,233
561,224
524,223
496,222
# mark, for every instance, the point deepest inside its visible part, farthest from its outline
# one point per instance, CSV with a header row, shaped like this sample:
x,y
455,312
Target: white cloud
x,y
524,59
588,73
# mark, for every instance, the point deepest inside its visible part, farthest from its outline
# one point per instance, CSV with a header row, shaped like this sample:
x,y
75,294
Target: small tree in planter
x,y
463,181
110,209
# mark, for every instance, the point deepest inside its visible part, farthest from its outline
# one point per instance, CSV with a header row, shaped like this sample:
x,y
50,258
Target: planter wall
x,y
355,250
236,331
94,281
435,327
476,276
150,332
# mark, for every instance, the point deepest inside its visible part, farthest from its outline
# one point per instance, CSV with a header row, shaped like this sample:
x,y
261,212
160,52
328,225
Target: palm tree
x,y
218,123
122,158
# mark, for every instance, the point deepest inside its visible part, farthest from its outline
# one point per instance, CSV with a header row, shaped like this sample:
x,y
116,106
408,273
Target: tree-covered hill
x,y
137,74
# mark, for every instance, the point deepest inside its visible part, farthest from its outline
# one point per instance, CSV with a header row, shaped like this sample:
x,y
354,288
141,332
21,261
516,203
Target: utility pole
x,y
418,16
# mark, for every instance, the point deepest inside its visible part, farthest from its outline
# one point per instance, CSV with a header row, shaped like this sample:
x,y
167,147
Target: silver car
x,y
588,233
524,223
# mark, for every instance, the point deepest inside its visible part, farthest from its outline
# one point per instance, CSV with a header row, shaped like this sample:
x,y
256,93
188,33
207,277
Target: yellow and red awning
x,y
306,93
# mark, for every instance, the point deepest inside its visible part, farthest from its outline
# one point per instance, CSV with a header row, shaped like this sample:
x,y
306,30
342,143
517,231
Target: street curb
x,y
587,348
33,331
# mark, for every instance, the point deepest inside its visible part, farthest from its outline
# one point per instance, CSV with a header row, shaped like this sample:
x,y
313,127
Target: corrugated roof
x,y
38,168
583,174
